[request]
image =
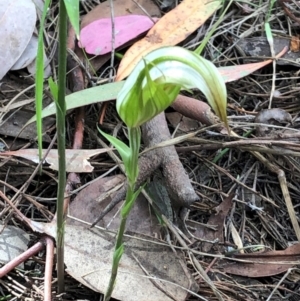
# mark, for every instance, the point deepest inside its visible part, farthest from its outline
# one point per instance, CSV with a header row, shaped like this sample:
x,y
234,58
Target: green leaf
x,y
118,255
122,148
134,137
39,79
85,97
53,88
72,7
127,206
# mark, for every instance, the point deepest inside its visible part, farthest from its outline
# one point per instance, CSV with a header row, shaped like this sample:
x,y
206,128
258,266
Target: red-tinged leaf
x,y
96,37
263,264
233,73
76,159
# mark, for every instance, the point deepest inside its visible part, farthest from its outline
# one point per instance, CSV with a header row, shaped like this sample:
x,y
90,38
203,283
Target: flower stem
x,y
134,135
61,140
118,247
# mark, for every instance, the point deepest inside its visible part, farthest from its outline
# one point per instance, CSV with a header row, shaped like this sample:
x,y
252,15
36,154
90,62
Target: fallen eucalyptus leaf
x,y
263,264
121,8
170,30
76,159
96,37
90,251
89,261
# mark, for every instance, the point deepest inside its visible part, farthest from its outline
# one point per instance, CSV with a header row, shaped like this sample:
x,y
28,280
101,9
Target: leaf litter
x,y
258,221
171,29
142,271
76,160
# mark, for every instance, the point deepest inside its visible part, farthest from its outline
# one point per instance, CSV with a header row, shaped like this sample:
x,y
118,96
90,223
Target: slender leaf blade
x,y
39,79
72,7
85,97
53,88
122,148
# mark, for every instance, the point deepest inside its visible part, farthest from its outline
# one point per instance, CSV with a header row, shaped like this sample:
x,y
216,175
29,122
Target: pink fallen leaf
x,y
233,73
76,159
97,36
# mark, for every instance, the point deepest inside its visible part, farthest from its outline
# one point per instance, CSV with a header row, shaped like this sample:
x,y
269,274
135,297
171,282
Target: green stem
x,y
61,138
134,136
118,245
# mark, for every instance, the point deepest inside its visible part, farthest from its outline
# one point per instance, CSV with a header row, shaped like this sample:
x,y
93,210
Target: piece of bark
x,y
194,109
180,190
178,183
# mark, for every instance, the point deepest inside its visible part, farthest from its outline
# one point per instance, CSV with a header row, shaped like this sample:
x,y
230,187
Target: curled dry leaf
x,y
236,237
76,159
171,29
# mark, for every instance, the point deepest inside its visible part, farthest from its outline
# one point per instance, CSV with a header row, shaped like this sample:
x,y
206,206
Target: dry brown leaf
x,y
91,201
13,125
236,237
171,29
89,257
76,159
181,122
214,229
295,44
263,264
259,47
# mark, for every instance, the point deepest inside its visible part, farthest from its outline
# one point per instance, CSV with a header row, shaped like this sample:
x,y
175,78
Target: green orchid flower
x,y
157,80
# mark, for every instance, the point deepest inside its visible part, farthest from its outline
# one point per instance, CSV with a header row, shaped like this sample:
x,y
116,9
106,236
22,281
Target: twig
x,y
48,267
21,258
